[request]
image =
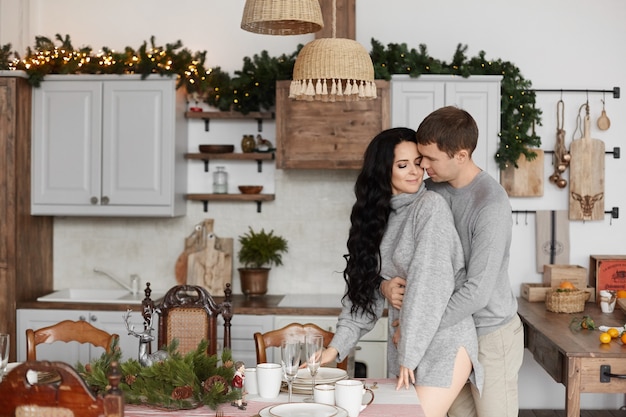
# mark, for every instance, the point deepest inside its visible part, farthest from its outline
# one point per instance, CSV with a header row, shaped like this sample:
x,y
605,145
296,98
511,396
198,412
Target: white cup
x,y
269,378
607,301
349,396
250,383
324,394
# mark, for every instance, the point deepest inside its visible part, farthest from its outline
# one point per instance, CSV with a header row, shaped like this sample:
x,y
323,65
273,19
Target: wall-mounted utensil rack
x,y
615,91
614,212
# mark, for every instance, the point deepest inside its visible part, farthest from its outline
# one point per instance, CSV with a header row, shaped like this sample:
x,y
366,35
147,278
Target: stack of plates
x,y
303,410
303,384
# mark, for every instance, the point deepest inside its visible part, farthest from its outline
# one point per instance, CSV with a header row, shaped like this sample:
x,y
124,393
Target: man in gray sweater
x,y
482,215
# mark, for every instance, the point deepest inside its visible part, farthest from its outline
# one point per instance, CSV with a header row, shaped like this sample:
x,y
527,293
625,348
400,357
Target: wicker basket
x,y
572,301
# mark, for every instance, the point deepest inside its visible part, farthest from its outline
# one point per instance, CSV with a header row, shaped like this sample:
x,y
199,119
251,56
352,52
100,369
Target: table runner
x,y
387,403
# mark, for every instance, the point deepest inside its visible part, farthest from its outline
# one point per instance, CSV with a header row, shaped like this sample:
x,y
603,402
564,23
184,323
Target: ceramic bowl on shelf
x,y
250,189
216,148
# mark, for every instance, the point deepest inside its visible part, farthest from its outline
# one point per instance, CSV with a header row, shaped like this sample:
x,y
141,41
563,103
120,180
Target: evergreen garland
x,y
254,86
176,383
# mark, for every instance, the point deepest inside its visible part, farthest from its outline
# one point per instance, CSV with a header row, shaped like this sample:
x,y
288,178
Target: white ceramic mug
x,y
349,396
250,383
269,378
324,394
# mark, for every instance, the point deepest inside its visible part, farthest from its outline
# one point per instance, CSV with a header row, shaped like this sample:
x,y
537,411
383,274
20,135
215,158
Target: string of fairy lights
x,y
254,86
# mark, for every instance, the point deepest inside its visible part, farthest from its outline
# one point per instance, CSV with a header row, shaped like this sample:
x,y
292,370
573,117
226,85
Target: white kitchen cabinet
x,y
412,99
108,146
243,328
371,349
72,352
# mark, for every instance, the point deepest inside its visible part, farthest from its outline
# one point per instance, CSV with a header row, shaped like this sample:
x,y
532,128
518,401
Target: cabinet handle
x,y
82,318
94,200
93,318
105,200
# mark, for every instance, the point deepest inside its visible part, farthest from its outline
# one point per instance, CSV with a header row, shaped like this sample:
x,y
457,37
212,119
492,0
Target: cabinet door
x,y
66,143
482,100
137,144
243,327
71,352
411,101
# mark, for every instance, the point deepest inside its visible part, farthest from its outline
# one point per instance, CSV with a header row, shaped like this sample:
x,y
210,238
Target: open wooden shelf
x,y
233,156
230,115
205,198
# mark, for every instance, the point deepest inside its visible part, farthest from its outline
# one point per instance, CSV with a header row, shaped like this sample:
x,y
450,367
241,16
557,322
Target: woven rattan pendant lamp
x,y
282,17
333,69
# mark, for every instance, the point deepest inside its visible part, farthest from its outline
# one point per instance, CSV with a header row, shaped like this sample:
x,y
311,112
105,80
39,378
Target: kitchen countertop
x,y
292,304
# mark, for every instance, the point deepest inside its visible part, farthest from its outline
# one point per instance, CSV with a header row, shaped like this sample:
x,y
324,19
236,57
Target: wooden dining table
x,y
575,357
387,403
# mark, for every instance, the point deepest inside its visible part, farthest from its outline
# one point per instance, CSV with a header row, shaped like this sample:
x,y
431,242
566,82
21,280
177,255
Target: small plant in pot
x,y
259,251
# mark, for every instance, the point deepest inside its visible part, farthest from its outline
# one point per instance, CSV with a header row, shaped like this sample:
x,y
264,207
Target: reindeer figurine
x,y
145,358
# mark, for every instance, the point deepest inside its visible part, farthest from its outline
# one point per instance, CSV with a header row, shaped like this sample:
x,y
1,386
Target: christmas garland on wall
x,y
254,86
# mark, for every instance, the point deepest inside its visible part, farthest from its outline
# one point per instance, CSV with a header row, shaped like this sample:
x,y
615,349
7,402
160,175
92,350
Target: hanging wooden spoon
x,y
603,121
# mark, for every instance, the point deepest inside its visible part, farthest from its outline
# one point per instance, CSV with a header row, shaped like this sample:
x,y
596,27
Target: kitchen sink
x,y
104,296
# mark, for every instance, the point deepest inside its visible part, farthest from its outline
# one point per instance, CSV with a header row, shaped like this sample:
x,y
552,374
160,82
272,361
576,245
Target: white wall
x,y
569,44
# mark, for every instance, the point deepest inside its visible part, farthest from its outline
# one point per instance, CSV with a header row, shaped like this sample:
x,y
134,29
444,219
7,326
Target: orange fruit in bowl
x,y
605,338
621,294
567,285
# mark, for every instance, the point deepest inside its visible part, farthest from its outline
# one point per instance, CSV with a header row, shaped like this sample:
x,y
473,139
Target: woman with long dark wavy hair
x,y
398,228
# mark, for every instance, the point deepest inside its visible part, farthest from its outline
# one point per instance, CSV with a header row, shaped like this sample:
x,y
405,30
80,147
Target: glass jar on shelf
x,y
248,144
220,181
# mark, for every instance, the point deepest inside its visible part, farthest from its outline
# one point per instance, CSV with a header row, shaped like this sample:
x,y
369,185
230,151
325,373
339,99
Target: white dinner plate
x,y
324,376
307,412
303,410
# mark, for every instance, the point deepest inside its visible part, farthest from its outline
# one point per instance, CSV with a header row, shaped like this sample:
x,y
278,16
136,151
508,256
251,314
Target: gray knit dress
x,y
420,244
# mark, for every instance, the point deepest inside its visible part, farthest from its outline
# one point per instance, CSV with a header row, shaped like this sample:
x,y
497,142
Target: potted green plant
x,y
259,251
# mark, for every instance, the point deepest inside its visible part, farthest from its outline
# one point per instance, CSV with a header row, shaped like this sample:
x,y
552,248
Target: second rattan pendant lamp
x,y
333,69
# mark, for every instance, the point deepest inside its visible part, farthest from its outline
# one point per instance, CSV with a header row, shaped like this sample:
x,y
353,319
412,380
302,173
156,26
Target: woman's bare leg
x,y
436,401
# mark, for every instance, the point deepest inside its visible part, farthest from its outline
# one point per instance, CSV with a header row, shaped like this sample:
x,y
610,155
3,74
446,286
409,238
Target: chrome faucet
x,y
134,280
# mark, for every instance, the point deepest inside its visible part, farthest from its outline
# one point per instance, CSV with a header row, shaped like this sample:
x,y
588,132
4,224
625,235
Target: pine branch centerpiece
x,y
178,382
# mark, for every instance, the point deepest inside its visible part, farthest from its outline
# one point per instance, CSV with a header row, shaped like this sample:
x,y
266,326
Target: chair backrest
x,y
189,314
298,331
68,395
67,331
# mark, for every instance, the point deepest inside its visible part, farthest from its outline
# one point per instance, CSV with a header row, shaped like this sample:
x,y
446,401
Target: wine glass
x,y
290,359
313,348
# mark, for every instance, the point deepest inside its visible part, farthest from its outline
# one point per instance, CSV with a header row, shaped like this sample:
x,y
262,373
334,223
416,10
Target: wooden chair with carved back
x,y
189,314
274,338
65,394
68,331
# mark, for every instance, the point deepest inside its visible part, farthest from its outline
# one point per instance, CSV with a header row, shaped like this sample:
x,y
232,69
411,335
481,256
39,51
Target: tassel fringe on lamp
x,y
332,69
282,17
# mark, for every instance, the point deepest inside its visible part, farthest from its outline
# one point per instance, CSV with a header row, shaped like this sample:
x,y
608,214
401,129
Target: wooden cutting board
x,y
193,243
527,179
212,266
586,177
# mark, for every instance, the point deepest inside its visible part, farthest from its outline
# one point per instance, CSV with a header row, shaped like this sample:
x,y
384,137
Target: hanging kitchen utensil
x,y
603,121
586,193
561,157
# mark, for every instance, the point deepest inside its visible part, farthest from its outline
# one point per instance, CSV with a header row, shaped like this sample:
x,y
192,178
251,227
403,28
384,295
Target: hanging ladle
x,y
603,121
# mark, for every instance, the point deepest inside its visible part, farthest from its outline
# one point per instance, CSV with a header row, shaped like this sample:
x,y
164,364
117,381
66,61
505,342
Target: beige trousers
x,y
501,354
